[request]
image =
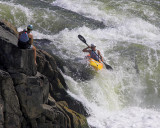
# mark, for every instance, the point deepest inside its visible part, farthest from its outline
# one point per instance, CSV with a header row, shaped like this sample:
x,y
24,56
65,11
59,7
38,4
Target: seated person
x,y
25,40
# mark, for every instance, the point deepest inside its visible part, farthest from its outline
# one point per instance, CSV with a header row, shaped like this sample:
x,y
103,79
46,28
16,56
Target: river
x,y
127,32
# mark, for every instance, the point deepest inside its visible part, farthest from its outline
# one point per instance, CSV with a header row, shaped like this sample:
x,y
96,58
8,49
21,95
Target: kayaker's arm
x,y
99,53
86,49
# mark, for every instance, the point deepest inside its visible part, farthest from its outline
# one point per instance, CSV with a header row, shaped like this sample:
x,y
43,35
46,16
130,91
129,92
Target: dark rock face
x,y
10,112
58,86
30,96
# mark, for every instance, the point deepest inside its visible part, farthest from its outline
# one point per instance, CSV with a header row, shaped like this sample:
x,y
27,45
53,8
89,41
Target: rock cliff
x,y
33,96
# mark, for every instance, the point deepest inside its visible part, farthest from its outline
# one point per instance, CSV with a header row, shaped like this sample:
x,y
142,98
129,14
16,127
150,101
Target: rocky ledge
x,y
30,96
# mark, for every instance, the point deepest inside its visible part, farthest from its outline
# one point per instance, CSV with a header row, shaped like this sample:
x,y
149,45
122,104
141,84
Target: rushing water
x,y
128,96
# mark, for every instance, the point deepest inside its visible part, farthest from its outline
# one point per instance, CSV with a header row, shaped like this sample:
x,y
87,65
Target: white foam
x,y
127,28
104,104
15,8
88,8
134,117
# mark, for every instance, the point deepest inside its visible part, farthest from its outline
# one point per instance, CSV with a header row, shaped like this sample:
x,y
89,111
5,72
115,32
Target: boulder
x,y
32,94
78,120
55,116
9,103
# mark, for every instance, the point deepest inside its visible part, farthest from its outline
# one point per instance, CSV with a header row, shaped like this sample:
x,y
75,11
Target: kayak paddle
x,y
84,41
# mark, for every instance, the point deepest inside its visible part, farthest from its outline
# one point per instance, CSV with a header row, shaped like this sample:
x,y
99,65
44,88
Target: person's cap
x,y
30,27
92,45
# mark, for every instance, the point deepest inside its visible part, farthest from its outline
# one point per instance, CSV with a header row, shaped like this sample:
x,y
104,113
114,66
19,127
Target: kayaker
x,y
25,40
93,51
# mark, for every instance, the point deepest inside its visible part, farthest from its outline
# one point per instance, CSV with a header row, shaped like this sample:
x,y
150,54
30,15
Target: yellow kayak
x,y
95,64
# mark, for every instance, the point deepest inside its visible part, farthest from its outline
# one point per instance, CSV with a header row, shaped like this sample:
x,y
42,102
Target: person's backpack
x,y
24,37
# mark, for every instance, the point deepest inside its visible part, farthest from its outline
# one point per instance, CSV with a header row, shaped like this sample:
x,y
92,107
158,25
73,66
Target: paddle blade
x,y
82,38
108,66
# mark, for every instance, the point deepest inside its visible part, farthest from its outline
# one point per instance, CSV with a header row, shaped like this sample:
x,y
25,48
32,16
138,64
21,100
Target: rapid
x,y
127,32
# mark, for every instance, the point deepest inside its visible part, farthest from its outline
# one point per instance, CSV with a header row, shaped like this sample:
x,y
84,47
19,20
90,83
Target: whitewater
x,y
128,96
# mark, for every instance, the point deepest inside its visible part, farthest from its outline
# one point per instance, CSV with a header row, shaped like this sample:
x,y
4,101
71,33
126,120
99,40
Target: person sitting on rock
x,y
25,40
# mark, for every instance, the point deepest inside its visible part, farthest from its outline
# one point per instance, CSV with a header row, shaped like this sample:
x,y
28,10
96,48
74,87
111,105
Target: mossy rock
x,y
77,120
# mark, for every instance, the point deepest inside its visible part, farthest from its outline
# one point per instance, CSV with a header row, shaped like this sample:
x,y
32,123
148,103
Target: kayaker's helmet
x,y
92,45
30,27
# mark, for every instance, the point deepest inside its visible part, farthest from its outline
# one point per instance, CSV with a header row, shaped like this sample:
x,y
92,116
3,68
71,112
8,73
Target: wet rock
x,y
78,120
28,99
18,78
46,65
57,117
32,94
9,102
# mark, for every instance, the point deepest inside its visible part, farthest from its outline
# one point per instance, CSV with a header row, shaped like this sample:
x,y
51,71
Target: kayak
x,y
95,64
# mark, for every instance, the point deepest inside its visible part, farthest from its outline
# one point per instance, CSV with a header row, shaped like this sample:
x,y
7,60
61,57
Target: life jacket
x,y
94,56
24,37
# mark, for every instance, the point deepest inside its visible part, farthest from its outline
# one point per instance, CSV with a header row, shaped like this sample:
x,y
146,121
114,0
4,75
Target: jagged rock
x,y
55,116
26,96
12,113
46,65
75,105
32,94
54,104
60,115
8,32
78,120
19,78
9,27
